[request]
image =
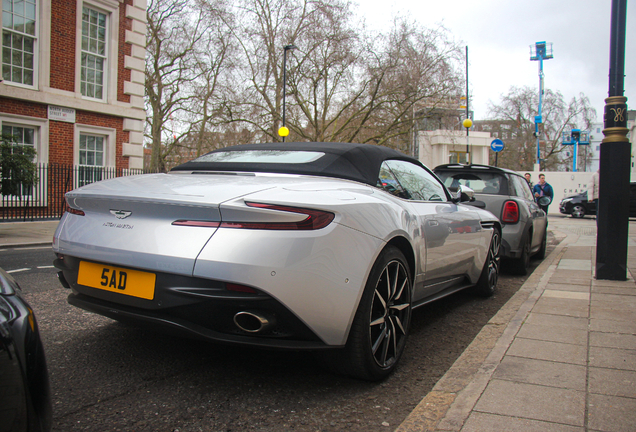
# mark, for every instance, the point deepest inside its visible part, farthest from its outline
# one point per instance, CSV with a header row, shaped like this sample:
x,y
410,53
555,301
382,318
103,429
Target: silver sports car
x,y
320,246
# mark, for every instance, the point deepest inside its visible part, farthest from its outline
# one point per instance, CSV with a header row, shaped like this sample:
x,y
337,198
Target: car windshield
x,y
480,182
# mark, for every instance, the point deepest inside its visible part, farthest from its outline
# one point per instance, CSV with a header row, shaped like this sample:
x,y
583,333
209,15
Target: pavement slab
x,y
540,372
614,358
550,351
480,422
611,413
554,334
612,382
613,340
535,402
558,306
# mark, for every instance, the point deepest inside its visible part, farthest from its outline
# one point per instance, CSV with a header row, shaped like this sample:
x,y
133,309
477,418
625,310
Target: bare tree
x,y
173,31
515,115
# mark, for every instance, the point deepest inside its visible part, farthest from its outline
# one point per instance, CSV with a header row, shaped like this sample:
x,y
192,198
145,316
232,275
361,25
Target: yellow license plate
x,y
115,279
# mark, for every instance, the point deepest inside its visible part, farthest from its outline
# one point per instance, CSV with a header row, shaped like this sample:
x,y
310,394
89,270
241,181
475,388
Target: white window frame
x,y
41,142
110,144
42,132
111,9
36,49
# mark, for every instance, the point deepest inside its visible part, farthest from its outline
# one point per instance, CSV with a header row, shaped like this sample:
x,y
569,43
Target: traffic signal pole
x,y
613,211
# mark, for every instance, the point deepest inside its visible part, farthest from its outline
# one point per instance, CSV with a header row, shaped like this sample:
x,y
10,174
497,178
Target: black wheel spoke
x,y
390,313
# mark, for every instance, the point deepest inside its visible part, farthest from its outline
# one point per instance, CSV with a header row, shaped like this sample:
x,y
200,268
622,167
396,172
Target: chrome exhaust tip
x,y
254,322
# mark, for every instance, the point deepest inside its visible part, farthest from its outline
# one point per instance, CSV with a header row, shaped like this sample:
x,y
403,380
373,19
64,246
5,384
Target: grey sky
x,y
499,33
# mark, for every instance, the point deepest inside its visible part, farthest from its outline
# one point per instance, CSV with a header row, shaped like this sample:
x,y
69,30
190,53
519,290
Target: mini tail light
x,y
510,212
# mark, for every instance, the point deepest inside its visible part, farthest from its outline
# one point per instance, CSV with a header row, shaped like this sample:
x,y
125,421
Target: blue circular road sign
x,y
497,145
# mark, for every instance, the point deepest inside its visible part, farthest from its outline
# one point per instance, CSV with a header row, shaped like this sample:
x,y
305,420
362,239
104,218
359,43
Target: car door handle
x,y
433,223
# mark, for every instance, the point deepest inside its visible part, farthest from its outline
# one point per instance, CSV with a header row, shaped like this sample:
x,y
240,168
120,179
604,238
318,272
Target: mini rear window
x,y
262,156
480,182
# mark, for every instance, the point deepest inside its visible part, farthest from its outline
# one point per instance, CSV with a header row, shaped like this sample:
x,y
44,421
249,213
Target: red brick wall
x,y
125,49
63,21
61,134
61,142
14,106
63,32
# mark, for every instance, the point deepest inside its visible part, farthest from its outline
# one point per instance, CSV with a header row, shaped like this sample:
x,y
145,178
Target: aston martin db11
x,y
318,246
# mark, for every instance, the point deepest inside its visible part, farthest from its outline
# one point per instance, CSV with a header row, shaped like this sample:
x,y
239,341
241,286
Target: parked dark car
x,y
507,195
578,205
25,397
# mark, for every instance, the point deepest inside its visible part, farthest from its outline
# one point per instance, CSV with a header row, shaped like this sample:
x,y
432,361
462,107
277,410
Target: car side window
x,y
522,187
414,181
389,183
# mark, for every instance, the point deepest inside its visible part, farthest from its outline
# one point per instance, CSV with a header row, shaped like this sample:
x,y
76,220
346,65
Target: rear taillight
x,y
315,219
78,212
196,223
72,210
510,212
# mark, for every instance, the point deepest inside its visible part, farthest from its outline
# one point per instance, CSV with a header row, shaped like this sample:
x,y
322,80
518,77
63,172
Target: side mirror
x,y
464,194
544,201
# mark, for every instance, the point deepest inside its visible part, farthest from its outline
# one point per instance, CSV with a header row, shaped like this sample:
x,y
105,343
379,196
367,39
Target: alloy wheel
x,y
494,260
390,314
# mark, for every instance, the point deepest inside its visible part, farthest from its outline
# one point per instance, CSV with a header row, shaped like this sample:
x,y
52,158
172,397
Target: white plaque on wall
x,y
61,114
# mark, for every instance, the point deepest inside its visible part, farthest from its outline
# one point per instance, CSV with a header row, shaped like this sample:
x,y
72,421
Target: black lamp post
x,y
613,203
283,131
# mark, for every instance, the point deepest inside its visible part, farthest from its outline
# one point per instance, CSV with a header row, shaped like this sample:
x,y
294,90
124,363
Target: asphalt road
x,y
106,376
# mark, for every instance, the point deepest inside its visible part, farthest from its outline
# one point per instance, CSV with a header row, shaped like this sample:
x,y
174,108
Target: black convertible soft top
x,y
359,162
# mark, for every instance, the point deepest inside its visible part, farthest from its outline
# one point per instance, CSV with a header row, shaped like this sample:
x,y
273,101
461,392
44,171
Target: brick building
x,y
73,76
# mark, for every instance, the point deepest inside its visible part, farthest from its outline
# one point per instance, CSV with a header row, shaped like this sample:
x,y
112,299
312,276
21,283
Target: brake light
x,y
196,223
72,210
78,212
510,212
316,219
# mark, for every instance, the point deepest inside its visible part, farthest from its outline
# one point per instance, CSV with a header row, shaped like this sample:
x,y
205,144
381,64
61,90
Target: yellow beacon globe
x,y
283,131
467,123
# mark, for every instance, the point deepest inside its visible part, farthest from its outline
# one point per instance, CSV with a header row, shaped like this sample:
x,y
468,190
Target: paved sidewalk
x,y
27,233
560,355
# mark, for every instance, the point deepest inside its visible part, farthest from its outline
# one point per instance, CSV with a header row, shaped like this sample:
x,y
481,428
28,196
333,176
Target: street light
x,y
539,52
283,131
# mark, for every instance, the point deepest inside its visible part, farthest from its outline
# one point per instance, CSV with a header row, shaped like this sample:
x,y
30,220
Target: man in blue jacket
x,y
543,189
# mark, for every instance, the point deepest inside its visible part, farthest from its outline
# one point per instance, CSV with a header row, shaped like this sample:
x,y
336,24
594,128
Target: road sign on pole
x,y
497,145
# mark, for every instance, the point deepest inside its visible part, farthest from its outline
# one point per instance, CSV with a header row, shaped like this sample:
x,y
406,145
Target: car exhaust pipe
x,y
254,321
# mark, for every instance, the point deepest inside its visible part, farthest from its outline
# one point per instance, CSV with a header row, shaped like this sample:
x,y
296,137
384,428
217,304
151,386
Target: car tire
x,y
381,324
487,283
520,265
578,211
544,246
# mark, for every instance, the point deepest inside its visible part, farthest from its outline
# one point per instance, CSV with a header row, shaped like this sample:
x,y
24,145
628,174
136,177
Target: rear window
x,y
480,182
262,156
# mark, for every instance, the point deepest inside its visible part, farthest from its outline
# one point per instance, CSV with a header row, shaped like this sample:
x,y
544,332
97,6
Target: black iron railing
x,y
45,200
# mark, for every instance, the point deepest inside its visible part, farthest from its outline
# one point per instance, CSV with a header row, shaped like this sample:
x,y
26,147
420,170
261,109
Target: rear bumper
x,y
511,240
193,307
191,327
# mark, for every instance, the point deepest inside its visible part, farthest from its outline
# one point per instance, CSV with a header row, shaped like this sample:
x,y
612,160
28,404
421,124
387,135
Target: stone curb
x,y
451,400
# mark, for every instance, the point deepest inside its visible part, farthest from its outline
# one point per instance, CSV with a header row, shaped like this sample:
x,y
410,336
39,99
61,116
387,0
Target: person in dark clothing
x,y
543,189
529,179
